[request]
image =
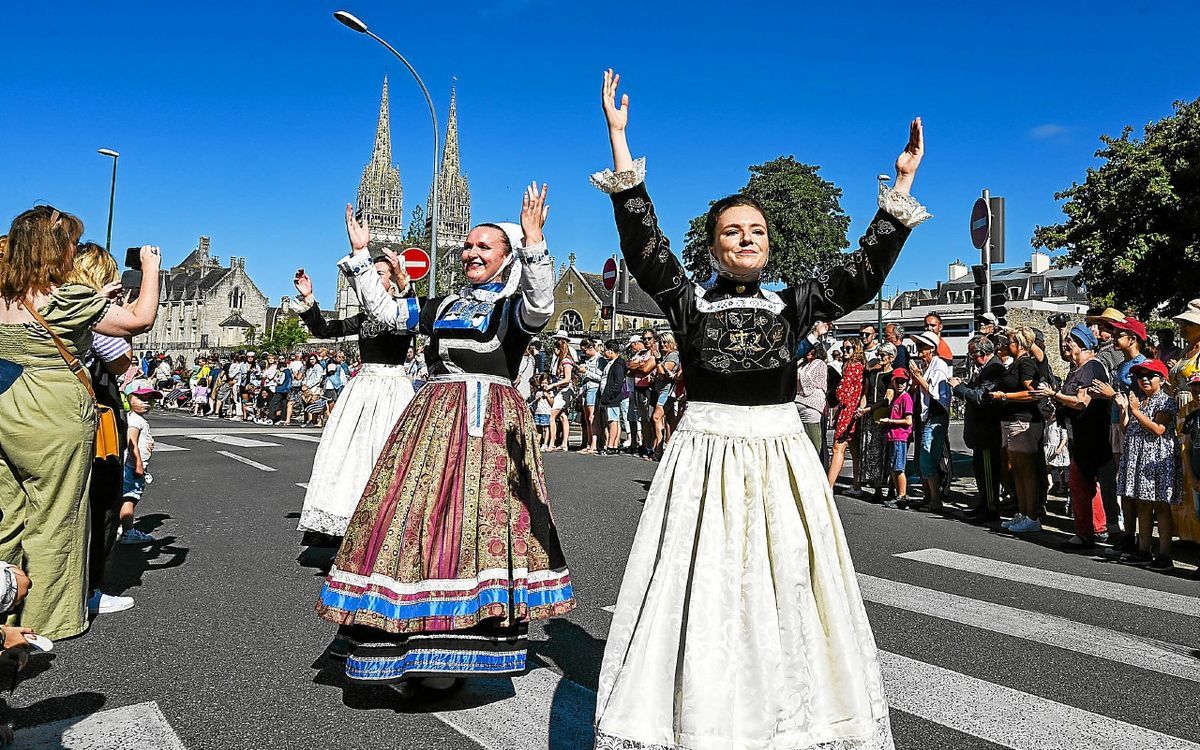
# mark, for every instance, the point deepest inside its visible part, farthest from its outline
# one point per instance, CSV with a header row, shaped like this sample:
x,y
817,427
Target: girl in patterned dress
x,y
1149,471
849,393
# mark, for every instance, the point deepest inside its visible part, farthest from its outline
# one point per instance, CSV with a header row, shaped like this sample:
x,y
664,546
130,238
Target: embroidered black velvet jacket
x,y
378,343
736,340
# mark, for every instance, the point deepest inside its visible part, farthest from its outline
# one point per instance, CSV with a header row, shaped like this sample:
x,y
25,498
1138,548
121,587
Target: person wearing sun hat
x,y
1149,472
1128,336
1090,446
1101,322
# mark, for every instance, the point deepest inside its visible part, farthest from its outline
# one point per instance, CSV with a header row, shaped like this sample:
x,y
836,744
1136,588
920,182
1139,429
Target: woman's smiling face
x,y
740,247
483,254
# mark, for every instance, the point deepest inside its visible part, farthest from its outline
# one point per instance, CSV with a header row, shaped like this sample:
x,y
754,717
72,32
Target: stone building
x,y
204,305
380,200
579,298
454,196
1035,291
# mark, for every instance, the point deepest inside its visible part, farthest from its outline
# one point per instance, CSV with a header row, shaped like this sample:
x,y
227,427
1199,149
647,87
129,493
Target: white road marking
x,y
611,609
1008,717
543,705
1034,626
138,727
302,436
248,462
302,485
165,448
1111,590
234,440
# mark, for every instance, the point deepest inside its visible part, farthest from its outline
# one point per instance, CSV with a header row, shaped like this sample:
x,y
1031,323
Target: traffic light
x,y
999,300
995,302
606,312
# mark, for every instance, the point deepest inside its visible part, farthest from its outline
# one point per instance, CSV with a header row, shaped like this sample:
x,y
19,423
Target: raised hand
x,y
303,284
111,290
617,117
359,234
534,212
910,158
398,273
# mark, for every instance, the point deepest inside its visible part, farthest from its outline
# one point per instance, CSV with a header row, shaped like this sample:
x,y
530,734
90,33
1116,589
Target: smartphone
x,y
131,282
133,258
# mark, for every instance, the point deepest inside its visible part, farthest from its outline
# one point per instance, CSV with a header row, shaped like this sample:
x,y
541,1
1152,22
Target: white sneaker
x,y
1013,521
133,536
1025,525
103,604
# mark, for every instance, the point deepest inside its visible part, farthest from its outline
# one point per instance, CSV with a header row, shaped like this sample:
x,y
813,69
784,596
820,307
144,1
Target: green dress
x,y
47,442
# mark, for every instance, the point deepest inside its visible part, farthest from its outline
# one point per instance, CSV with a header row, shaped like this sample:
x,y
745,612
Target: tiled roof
x,y
640,303
235,321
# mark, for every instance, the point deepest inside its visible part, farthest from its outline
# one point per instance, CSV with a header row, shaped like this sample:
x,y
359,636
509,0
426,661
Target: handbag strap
x,y
73,363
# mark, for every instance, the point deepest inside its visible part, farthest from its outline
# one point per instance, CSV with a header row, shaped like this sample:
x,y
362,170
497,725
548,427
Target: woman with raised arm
x,y
369,405
739,623
452,550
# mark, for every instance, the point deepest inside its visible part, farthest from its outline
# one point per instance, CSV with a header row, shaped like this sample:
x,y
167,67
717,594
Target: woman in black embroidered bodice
x,y
377,343
739,523
737,338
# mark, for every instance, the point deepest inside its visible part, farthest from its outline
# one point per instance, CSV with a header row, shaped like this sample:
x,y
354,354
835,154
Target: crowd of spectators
x,y
1113,437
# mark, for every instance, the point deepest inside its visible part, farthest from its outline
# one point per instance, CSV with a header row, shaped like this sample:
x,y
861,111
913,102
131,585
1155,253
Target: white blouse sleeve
x,y
402,313
537,287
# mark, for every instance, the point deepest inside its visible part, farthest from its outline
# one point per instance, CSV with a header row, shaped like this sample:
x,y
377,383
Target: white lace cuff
x,y
533,253
302,305
902,206
356,264
614,182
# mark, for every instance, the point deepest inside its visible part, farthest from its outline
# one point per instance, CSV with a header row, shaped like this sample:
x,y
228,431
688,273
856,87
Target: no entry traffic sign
x,y
610,274
981,223
416,263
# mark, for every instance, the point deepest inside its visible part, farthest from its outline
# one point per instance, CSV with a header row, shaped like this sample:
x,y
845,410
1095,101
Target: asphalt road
x,y
982,648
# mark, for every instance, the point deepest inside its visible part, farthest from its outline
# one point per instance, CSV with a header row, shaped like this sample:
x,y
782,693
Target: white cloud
x,y
1048,131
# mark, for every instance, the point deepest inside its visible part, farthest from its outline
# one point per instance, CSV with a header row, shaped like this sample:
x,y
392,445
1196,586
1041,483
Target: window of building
x,y
570,288
1014,292
571,321
237,298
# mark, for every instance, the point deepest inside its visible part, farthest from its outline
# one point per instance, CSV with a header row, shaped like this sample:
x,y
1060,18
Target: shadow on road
x,y
53,709
128,563
576,652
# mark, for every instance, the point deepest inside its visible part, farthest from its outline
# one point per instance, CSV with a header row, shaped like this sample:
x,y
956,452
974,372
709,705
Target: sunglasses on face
x,y
1147,376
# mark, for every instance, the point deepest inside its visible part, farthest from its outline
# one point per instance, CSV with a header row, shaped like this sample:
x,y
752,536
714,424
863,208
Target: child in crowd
x,y
1058,458
200,397
542,400
900,426
137,458
1149,469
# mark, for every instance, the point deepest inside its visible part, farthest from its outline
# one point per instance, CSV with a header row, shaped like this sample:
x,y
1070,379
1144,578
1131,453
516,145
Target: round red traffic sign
x,y
981,223
416,263
610,274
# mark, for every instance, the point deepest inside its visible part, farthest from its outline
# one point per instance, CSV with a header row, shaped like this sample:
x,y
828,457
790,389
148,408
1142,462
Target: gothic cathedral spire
x,y
454,219
380,194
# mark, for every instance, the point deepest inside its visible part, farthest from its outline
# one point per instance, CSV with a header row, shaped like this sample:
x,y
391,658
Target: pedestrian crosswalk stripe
x,y
302,485
248,462
301,436
1110,590
1006,716
138,727
235,440
165,448
1033,626
536,706
541,705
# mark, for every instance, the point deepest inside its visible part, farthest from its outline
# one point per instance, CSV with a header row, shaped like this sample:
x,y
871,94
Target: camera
x,y
1058,320
133,258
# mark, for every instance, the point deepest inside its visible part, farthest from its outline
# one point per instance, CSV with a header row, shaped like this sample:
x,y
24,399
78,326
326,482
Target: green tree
x,y
284,336
1133,225
251,334
807,225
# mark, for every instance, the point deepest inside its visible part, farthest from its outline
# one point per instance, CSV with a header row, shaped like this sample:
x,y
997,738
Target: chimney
x,y
957,270
1040,263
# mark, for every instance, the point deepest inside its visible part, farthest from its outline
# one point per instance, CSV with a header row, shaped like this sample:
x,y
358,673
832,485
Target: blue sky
x,y
250,122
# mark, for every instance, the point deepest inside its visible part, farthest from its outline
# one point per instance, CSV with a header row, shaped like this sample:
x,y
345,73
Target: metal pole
x,y
434,211
881,179
612,325
112,195
987,257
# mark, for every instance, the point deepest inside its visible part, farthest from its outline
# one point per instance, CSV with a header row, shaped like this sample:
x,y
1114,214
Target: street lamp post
x,y
350,21
112,194
883,178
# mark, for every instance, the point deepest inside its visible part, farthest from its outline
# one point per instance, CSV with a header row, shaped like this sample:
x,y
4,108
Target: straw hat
x,y
1110,314
1191,315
